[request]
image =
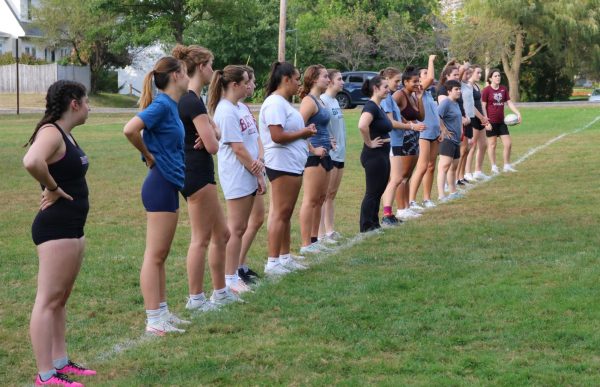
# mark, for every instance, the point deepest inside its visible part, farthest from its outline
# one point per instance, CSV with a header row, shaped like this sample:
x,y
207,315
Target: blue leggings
x,y
159,194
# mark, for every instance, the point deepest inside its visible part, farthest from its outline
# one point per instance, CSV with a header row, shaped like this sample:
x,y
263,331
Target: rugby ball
x,y
511,119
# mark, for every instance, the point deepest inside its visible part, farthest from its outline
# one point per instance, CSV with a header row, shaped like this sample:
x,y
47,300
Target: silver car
x,y
595,96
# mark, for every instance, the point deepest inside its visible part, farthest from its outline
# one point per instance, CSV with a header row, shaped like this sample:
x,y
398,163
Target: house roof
x,y
9,22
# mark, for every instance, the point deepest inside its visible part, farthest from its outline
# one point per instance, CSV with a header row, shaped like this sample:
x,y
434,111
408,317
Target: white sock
x,y
163,307
285,257
60,363
198,297
221,292
152,316
230,279
272,261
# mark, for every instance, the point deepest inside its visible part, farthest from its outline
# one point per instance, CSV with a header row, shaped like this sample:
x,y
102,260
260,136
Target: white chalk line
x,y
128,344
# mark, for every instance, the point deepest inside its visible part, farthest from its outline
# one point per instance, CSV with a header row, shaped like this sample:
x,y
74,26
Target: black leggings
x,y
376,163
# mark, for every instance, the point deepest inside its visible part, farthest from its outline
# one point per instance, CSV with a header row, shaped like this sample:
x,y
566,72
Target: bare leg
x,y
408,164
481,148
327,218
238,213
492,149
316,181
428,178
396,177
257,218
507,145
284,194
443,167
464,152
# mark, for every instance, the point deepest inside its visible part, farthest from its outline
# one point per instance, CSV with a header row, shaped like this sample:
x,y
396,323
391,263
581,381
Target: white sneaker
x,y
428,203
313,248
414,206
326,240
508,168
275,269
291,265
335,236
444,199
200,305
161,328
406,213
223,299
173,319
495,170
480,176
298,257
469,177
239,287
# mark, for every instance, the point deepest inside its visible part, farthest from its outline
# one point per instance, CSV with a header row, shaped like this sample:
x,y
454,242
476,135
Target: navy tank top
x,y
477,98
321,120
69,172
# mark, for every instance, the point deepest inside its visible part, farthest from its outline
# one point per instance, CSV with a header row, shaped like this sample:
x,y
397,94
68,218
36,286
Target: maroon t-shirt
x,y
495,100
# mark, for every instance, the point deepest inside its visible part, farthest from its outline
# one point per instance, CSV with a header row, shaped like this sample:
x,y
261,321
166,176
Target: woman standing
x,y
283,136
337,127
375,128
161,146
429,140
318,164
493,98
56,161
240,169
478,122
207,218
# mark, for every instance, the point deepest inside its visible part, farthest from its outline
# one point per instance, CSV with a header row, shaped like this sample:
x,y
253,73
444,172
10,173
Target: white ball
x,y
511,119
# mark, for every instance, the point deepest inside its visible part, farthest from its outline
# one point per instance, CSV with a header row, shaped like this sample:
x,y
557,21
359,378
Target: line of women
x,y
176,135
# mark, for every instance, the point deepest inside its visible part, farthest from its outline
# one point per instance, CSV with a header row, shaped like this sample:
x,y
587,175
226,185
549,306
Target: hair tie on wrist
x,y
52,190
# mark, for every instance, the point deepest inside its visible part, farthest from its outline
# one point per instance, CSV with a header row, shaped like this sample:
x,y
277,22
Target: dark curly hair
x,y
59,96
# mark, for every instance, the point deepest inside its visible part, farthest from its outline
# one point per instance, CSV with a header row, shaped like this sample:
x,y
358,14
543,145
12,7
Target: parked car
x,y
594,97
352,95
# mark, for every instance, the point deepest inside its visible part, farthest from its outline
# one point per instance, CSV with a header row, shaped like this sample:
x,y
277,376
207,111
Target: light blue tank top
x,y
321,121
432,119
390,106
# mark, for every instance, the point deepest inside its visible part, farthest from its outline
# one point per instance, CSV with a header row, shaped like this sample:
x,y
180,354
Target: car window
x,y
596,92
355,79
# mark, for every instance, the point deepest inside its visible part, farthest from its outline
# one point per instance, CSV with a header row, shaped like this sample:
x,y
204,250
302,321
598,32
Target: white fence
x,y
37,78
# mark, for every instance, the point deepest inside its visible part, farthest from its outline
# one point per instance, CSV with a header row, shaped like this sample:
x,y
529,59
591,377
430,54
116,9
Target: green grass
x,y
101,100
499,288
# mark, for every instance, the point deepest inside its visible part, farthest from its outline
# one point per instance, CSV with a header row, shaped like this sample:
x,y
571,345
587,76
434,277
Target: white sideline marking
x,y
125,345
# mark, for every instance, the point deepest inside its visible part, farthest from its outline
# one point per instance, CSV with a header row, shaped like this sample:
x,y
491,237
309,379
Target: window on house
x,y
33,52
27,51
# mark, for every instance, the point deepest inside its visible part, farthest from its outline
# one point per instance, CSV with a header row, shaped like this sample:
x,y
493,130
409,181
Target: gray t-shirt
x,y
450,114
337,128
466,91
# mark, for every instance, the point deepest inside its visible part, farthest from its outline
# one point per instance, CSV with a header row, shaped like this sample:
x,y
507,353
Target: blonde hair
x,y
160,74
193,56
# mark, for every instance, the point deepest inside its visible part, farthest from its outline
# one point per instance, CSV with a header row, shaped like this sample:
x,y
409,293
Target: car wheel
x,y
344,100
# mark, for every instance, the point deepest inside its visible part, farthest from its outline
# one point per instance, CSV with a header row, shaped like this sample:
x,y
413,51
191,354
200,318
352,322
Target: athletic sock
x,y
164,308
221,292
387,210
272,261
285,257
153,316
314,239
44,376
198,297
60,363
230,279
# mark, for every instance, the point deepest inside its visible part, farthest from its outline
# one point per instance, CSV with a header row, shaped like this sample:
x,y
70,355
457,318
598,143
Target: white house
x,y
19,12
131,78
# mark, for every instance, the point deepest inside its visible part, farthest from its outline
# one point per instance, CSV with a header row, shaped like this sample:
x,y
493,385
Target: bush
x,y
107,81
8,58
545,79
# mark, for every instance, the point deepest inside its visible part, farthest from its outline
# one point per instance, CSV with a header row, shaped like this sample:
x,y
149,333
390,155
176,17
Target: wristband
x,y
52,190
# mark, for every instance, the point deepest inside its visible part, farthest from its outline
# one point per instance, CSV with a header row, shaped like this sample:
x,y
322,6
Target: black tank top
x,y
69,172
477,98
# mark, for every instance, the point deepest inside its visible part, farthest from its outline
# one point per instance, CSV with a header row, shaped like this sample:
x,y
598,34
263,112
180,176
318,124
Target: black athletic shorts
x,y
273,174
450,149
199,171
315,161
476,124
497,130
338,164
468,131
64,219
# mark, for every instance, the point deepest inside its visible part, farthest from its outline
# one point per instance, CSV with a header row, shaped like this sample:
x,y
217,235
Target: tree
x,y
90,33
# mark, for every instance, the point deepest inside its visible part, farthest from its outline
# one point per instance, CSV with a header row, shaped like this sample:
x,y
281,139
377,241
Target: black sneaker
x,y
252,273
389,221
244,276
460,182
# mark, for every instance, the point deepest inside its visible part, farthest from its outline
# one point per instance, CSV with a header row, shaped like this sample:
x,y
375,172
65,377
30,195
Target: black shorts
x,y
497,130
199,171
338,164
64,219
468,131
476,124
450,149
273,174
410,147
315,161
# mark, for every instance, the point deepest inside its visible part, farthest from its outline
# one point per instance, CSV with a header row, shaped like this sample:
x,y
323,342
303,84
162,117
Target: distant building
x,y
32,43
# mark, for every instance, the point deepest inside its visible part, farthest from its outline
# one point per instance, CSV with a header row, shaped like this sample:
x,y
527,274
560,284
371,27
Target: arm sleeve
x,y
442,109
230,129
152,115
485,94
191,106
274,114
370,107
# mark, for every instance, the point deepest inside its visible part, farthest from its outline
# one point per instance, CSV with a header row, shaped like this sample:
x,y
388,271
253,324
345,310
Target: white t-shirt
x,y
289,157
235,126
337,127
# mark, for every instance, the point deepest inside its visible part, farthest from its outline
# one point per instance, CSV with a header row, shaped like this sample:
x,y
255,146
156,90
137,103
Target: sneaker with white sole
x,y
326,240
239,287
406,213
275,269
291,265
456,195
508,168
173,319
444,199
224,299
57,379
161,328
478,175
469,177
313,248
335,236
428,203
200,305
298,257
495,170
414,206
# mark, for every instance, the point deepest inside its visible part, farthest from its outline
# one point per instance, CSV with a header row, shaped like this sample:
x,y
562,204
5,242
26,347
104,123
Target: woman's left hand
x,y
262,185
320,151
50,197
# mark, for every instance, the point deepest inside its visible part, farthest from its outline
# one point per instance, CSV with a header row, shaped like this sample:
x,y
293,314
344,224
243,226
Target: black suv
x,y
352,95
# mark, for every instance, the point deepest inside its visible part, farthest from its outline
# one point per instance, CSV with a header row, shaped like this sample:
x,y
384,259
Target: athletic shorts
x,y
497,130
159,194
450,149
410,147
199,171
468,131
476,124
64,219
338,164
315,161
273,174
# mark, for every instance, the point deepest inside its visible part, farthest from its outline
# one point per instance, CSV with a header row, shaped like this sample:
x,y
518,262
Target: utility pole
x,y
282,27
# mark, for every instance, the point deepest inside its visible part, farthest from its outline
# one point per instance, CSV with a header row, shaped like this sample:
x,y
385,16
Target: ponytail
x,y
219,83
161,75
311,75
146,97
276,74
369,84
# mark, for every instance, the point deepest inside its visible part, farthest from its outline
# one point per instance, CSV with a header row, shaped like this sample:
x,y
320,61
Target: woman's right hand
x,y
149,160
50,197
419,127
309,131
377,142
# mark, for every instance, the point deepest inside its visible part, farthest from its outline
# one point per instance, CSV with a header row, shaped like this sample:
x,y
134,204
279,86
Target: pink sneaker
x,y
57,380
76,369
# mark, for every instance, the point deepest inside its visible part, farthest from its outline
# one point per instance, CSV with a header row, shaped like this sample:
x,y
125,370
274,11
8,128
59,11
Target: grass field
x,y
35,100
498,288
